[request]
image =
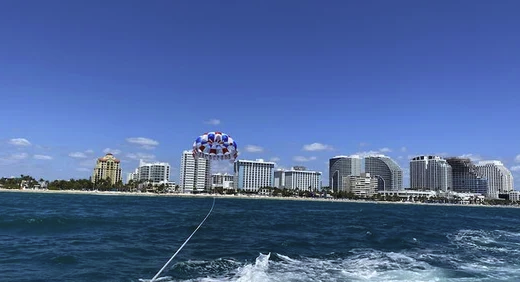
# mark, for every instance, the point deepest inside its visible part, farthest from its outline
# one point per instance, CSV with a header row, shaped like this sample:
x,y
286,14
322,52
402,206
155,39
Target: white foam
x,y
481,255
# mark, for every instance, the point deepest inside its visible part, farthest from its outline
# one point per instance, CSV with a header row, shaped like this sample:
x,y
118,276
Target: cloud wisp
x,y
112,151
253,149
213,121
42,157
143,142
303,159
316,147
19,142
77,155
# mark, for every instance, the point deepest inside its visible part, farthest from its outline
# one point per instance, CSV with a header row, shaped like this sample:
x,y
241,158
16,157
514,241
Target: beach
x,y
259,197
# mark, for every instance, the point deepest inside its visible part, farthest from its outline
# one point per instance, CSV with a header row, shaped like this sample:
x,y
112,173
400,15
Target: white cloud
x,y
222,167
138,156
274,159
83,169
15,157
253,149
90,163
113,151
400,157
77,155
42,157
89,151
515,168
366,154
303,159
517,158
144,142
385,150
19,142
473,158
316,147
363,144
213,121
403,149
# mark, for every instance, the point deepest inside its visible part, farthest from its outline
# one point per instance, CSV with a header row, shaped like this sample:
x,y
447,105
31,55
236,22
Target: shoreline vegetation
x,y
243,196
26,183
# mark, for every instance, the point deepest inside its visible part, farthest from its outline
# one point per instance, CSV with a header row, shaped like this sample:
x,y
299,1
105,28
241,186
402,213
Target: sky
x,y
297,82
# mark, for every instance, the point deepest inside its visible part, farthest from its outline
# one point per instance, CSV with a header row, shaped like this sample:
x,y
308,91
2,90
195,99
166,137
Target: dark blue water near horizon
x,y
66,237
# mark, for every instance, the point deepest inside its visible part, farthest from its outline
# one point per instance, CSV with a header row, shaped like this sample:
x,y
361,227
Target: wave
x,y
471,255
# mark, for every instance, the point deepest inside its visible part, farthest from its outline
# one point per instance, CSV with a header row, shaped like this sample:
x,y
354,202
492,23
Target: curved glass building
x,y
340,167
466,177
388,172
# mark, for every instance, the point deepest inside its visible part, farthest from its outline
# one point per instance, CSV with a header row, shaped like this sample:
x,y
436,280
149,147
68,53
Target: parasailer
x,y
215,145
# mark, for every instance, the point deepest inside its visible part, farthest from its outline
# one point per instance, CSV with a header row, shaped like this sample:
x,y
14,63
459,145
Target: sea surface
x,y
67,237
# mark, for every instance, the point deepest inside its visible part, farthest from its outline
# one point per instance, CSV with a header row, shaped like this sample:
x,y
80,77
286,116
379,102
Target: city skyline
x,y
133,160
407,80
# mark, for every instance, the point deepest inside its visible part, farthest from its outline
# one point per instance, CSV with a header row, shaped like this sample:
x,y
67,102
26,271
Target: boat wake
x,y
473,255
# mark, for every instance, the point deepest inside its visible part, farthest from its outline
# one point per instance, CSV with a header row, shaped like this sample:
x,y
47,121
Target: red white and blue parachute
x,y
215,146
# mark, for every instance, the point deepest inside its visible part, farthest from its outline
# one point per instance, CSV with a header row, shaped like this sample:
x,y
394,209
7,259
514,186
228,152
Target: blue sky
x,y
145,78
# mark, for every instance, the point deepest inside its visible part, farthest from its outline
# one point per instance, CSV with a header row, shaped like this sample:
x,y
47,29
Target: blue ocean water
x,y
65,237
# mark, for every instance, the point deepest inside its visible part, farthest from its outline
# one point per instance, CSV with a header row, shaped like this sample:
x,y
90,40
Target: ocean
x,y
69,237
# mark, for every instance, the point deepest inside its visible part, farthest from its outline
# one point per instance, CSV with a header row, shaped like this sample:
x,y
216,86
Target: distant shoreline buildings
x,y
298,178
194,173
107,168
427,173
155,173
362,176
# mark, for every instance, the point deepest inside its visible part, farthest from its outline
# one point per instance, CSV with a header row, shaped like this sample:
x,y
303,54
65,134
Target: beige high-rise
x,y
107,167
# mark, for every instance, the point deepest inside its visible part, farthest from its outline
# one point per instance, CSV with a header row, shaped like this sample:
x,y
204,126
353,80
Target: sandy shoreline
x,y
186,195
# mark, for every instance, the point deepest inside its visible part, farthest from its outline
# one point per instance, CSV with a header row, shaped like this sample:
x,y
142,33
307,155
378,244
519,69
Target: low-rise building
x,y
362,185
219,180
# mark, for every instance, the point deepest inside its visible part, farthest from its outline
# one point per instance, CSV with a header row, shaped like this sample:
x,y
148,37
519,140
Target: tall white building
x,y
195,174
430,172
298,178
155,173
133,176
253,175
279,178
500,179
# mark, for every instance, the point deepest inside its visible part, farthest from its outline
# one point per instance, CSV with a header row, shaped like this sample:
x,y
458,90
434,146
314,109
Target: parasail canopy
x,y
215,146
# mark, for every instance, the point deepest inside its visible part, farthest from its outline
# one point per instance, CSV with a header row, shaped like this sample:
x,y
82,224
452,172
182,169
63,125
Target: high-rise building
x,y
500,179
253,175
431,173
132,176
108,168
341,166
386,170
222,180
157,172
300,178
279,178
466,177
363,185
194,173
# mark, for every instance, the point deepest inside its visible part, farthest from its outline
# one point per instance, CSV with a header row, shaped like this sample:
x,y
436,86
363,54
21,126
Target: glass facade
x,y
466,177
340,167
388,173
